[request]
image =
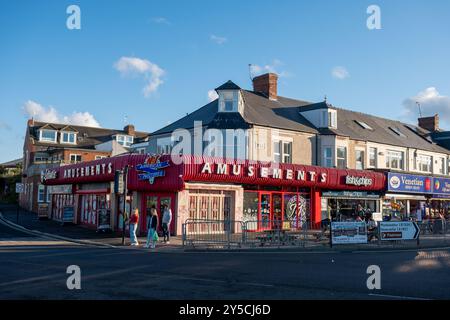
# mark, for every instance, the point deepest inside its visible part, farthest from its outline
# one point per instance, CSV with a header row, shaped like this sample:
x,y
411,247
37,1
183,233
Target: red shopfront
x,y
213,188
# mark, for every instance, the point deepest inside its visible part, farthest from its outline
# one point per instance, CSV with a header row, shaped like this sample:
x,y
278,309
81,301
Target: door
x,y
277,210
265,211
158,201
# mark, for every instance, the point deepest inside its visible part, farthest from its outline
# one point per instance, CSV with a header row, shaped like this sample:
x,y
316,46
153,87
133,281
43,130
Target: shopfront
x,y
347,205
263,195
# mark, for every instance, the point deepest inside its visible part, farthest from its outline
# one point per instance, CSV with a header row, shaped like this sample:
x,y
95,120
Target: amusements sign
x,y
348,232
391,231
68,215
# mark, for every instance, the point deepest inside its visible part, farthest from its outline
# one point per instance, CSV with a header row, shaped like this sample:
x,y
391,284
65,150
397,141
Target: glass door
x,y
265,211
277,210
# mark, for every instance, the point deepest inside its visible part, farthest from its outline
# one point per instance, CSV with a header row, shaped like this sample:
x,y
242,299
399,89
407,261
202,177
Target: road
x,y
38,271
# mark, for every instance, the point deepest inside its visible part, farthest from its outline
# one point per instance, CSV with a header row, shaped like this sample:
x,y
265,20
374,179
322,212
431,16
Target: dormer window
x,y
228,101
125,140
68,137
46,135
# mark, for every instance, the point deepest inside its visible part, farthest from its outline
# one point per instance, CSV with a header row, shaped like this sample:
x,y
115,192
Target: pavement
x,y
72,233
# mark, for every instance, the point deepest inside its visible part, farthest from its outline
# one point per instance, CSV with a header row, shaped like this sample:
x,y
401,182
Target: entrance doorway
x,y
157,200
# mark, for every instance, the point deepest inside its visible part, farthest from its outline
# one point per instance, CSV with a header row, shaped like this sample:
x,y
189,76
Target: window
x,y
40,158
124,140
359,155
49,195
394,159
332,119
99,157
75,158
140,150
424,163
364,125
373,157
328,157
228,101
68,137
47,135
41,193
341,157
442,166
397,132
282,152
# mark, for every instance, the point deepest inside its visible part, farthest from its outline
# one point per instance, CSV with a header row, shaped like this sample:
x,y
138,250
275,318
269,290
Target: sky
x,y
148,63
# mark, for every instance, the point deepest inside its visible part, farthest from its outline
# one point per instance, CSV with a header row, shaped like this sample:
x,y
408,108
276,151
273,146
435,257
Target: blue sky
x,y
183,49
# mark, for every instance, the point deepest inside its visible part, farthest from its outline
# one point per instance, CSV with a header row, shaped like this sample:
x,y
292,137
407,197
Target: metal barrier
x,y
228,234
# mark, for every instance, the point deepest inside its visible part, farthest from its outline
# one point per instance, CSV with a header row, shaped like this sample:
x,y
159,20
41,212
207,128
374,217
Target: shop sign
x,y
264,172
48,174
390,231
408,183
89,171
60,189
152,168
348,232
441,186
350,194
19,187
358,181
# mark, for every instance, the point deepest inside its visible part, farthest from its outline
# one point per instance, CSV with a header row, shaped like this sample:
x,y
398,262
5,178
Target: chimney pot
x,y
429,123
266,84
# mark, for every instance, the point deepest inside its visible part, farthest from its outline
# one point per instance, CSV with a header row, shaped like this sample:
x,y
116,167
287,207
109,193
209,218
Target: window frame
x,y
373,152
41,193
362,162
327,158
390,155
76,155
41,134
68,133
340,158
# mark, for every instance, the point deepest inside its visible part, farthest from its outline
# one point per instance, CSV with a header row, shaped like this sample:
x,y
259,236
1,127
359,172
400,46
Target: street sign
x,y
402,230
19,187
348,232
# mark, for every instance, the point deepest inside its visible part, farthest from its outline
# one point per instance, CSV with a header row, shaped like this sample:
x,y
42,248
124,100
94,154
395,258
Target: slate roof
x,y
284,113
87,137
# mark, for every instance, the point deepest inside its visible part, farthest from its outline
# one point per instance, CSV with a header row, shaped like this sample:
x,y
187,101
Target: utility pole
x,y
125,192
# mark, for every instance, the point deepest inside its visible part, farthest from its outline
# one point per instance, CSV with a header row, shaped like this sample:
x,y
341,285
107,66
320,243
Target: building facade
x,y
260,125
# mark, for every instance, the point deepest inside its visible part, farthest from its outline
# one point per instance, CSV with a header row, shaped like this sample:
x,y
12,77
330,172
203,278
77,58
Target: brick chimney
x,y
129,129
430,123
266,84
30,122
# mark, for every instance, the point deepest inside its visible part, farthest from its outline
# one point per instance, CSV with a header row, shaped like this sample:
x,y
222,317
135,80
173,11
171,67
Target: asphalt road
x,y
39,272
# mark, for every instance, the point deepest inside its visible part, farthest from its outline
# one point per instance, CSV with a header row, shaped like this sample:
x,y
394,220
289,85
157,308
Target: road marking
x,y
396,297
34,279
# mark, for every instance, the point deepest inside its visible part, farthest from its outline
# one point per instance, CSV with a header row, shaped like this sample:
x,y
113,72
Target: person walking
x,y
152,226
134,220
166,220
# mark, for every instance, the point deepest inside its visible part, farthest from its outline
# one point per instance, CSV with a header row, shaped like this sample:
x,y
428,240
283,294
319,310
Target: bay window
x,y
341,157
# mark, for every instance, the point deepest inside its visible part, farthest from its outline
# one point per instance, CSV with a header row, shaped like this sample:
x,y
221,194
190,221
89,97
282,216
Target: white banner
x,y
348,232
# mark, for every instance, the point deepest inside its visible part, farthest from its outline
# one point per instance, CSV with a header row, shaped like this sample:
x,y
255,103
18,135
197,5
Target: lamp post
x,y
125,192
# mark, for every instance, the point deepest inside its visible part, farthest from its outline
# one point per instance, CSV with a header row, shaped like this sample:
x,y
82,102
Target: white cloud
x,y
212,95
217,39
340,73
131,66
431,103
161,20
38,112
274,67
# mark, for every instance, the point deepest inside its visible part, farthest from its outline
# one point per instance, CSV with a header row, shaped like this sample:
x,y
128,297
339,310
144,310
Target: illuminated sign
x,y
151,169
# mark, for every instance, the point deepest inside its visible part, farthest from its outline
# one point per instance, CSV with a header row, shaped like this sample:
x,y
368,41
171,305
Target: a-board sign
x,y
348,232
43,210
401,230
68,215
104,219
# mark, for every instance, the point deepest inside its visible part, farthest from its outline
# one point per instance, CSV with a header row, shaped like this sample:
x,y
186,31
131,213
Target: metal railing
x,y
230,234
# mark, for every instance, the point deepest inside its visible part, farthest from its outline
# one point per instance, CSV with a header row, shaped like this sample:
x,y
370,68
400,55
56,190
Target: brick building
x,y
49,146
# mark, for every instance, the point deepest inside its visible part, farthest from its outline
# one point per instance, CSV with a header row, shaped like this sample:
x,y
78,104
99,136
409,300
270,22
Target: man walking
x,y
134,220
166,220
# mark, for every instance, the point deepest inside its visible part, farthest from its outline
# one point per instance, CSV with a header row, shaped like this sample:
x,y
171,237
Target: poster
x,y
348,232
104,219
68,214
